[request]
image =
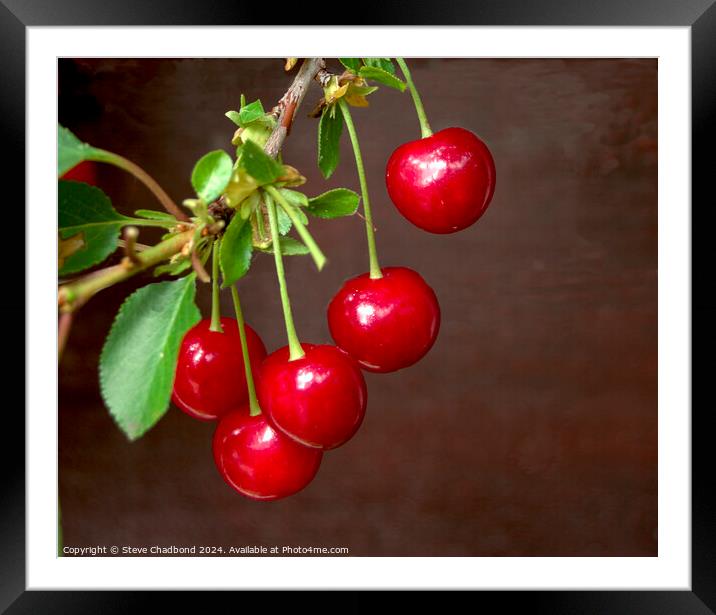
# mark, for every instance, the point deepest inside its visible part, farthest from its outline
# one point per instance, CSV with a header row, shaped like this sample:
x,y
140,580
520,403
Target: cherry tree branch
x,y
289,103
76,293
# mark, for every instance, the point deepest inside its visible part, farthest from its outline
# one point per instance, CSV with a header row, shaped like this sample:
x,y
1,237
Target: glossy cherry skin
x,y
210,378
385,324
259,461
442,183
85,171
318,400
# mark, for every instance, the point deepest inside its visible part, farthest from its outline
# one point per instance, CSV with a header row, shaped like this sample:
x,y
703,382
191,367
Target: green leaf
x,y
152,214
249,205
138,361
334,203
382,76
296,198
258,132
289,247
360,90
259,165
251,112
283,221
86,213
234,117
235,252
292,247
351,63
329,137
385,64
211,175
71,151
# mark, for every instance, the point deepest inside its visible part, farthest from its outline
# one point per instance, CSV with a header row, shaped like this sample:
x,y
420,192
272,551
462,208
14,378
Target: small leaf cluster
x,y
352,86
381,70
254,124
139,356
241,184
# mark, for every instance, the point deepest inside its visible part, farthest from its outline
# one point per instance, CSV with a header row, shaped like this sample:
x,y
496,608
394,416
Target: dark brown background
x,y
531,427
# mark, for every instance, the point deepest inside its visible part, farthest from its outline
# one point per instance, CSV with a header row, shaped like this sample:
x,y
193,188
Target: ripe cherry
x,y
85,171
210,378
442,183
387,323
318,400
258,461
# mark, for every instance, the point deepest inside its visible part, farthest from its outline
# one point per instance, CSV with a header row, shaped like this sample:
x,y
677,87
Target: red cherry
x,y
258,461
318,400
388,323
210,378
442,183
85,171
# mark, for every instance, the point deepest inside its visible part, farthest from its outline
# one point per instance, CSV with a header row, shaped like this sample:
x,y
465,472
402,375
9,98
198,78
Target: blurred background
x,y
530,429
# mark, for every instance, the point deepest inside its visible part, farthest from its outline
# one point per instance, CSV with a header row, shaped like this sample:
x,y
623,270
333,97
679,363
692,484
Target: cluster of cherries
x,y
442,183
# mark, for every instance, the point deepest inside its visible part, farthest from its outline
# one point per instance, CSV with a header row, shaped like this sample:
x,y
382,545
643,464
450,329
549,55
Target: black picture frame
x,y
700,15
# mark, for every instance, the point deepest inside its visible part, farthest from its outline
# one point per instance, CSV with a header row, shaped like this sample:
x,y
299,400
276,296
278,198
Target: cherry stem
x,y
215,303
144,177
425,129
375,272
318,257
254,408
76,293
294,345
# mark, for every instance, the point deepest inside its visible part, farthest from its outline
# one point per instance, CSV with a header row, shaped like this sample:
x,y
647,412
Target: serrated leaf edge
x,y
320,148
318,215
101,370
